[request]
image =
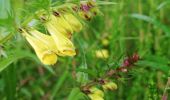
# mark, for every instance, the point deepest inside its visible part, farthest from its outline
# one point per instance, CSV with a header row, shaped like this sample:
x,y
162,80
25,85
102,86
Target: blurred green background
x,y
130,26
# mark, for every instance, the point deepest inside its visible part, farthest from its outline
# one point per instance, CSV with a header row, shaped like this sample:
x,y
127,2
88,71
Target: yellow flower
x,y
61,25
43,51
96,94
95,97
110,86
103,53
46,39
64,45
73,21
96,91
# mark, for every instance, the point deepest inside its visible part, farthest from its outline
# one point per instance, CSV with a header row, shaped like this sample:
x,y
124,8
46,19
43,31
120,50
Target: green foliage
x,y
76,94
16,55
154,22
130,26
9,76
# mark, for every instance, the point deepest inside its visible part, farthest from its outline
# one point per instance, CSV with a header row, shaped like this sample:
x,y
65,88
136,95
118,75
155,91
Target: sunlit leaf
x,y
76,94
5,9
163,4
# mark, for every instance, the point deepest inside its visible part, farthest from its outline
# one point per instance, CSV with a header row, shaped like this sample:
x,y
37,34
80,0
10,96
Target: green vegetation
x,y
123,28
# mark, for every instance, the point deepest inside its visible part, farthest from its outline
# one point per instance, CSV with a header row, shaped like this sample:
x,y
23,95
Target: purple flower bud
x,y
85,7
126,63
165,97
135,57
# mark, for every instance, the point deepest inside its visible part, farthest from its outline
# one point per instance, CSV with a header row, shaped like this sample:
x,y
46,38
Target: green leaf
x,y
163,67
88,71
154,22
5,9
105,3
76,94
59,84
5,62
155,62
6,38
157,59
163,4
82,74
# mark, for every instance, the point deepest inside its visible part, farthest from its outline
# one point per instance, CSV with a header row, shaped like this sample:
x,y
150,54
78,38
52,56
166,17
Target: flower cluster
x,y
129,61
61,24
58,43
47,47
127,64
95,93
87,10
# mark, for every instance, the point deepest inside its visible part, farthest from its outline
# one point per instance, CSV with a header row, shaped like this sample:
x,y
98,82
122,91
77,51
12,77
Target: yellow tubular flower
x,y
42,50
61,25
64,45
95,97
110,86
73,21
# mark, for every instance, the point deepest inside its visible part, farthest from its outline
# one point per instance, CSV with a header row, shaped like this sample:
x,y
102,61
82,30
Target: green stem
x,y
5,39
9,76
29,19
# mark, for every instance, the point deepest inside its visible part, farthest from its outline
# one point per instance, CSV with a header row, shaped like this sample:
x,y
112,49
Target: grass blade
x,y
154,22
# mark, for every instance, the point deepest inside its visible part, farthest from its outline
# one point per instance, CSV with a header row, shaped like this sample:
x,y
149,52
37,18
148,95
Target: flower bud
x,y
126,63
94,11
85,15
135,57
61,25
109,86
96,94
84,7
95,97
105,42
91,3
96,91
73,21
103,53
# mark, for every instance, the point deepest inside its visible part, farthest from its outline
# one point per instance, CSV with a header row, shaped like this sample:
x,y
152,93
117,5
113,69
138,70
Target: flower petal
x,y
73,21
43,52
64,45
